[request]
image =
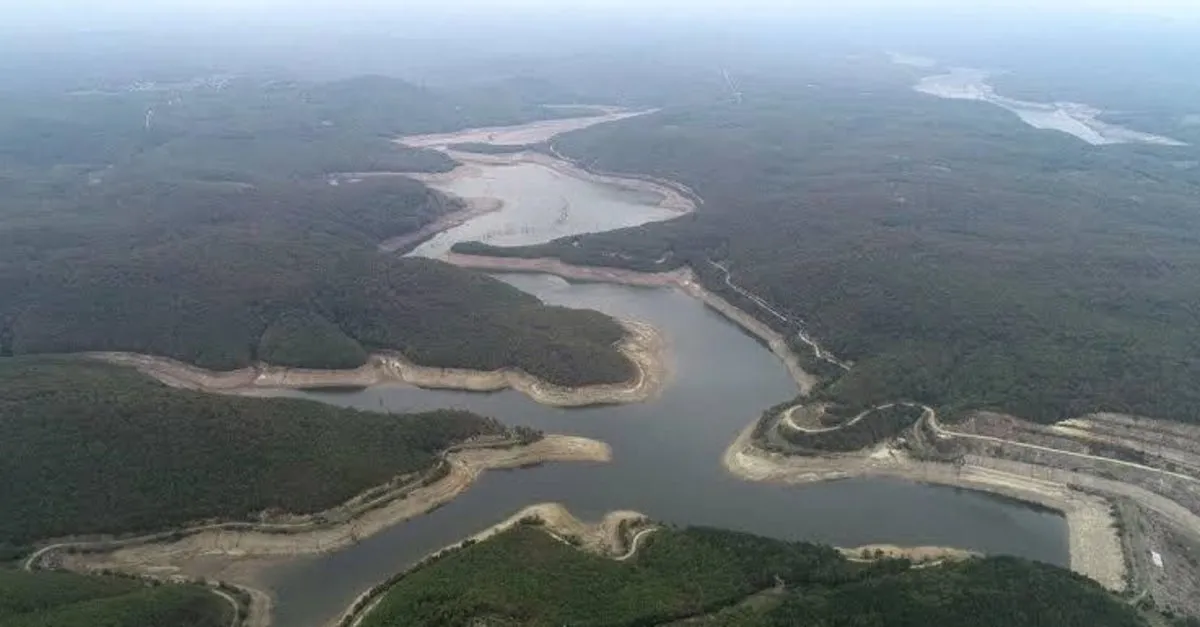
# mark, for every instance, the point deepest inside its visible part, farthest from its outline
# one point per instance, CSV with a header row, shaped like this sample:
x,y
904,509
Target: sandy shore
x,y
683,279
1095,547
642,345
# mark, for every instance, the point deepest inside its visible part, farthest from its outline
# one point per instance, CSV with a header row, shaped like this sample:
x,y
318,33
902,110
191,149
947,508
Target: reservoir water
x,y
666,464
667,452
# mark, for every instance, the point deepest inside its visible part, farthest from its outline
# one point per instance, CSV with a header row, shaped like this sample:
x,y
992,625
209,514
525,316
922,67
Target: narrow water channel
x,y
666,464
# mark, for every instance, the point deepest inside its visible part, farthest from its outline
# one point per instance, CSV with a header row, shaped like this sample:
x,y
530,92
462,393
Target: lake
x,y
666,464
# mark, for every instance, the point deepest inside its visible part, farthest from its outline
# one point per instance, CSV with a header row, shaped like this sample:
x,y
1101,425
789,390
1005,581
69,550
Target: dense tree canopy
x,y
49,599
91,447
213,232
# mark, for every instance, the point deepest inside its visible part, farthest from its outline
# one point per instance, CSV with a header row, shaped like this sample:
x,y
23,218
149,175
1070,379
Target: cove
x,y
666,464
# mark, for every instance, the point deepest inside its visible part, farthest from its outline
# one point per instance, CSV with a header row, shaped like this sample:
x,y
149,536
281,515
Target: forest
x,y
220,231
96,448
526,577
956,256
52,599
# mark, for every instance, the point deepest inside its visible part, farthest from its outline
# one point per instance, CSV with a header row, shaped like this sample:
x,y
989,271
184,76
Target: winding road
x,y
633,543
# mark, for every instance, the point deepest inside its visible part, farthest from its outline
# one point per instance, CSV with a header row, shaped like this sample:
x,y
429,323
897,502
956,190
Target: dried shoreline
x,y
642,345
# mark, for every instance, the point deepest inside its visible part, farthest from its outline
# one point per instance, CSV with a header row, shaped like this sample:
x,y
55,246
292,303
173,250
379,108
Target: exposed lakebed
x,y
1073,118
540,203
666,452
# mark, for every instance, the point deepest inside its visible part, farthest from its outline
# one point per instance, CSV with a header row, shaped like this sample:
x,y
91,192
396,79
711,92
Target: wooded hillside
x,y
957,256
95,448
211,233
48,599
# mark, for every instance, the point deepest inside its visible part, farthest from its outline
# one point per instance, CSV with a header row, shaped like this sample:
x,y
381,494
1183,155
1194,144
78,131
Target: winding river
x,y
666,452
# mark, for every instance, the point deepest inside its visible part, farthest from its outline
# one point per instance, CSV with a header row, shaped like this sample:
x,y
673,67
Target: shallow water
x,y
666,464
541,204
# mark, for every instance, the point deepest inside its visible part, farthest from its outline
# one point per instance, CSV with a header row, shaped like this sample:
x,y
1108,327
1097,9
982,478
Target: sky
x,y
107,13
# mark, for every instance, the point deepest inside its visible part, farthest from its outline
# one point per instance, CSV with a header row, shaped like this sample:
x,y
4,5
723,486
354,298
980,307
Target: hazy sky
x,y
100,12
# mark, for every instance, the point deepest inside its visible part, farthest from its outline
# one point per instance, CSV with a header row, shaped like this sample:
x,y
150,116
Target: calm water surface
x,y
666,465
